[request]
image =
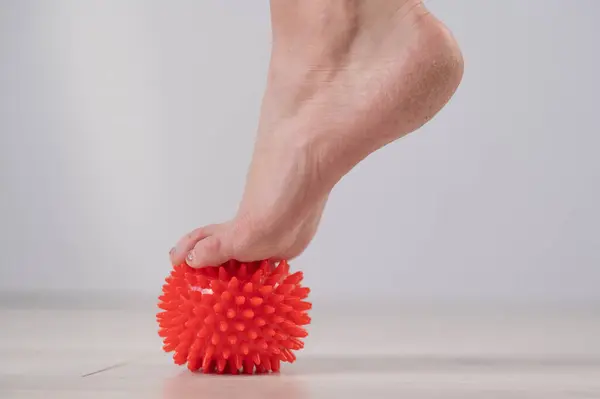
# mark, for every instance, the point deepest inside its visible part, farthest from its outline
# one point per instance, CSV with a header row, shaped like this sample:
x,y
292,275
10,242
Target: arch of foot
x,y
238,317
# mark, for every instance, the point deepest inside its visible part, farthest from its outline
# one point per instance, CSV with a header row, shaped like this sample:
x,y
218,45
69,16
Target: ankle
x,y
323,32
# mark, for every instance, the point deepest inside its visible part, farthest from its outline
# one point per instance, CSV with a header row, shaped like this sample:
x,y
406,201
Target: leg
x,y
346,77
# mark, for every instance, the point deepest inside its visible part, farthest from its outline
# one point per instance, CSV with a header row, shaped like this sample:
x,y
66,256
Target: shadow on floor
x,y
188,385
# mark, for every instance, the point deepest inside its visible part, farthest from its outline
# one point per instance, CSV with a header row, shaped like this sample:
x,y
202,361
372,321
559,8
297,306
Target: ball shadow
x,y
264,386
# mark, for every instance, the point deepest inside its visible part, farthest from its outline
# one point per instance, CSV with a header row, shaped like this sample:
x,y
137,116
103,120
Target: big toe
x,y
210,251
186,243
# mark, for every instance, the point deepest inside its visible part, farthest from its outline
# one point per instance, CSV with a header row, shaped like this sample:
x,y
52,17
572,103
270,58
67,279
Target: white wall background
x,y
124,124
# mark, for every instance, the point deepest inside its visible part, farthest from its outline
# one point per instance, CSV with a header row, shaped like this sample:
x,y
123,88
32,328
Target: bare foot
x,y
346,78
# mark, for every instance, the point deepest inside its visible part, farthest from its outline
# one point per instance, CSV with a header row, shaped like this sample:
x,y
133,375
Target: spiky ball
x,y
238,317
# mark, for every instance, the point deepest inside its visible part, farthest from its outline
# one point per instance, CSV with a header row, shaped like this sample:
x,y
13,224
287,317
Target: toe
x,y
187,242
211,251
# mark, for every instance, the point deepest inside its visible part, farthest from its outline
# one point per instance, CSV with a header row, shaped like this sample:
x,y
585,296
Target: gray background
x,y
124,124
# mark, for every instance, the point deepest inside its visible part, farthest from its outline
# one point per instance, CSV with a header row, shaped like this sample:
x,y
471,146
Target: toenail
x,y
190,257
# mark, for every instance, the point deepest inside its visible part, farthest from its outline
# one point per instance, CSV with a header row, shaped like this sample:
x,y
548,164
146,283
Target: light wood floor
x,y
374,352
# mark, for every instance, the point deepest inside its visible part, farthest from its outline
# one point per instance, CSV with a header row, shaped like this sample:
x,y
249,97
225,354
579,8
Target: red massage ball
x,y
237,317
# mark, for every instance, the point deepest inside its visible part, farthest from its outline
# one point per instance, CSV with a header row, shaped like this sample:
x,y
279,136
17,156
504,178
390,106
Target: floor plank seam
x,y
114,366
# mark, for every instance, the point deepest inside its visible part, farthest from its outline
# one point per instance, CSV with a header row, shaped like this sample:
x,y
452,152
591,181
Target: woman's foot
x,y
346,77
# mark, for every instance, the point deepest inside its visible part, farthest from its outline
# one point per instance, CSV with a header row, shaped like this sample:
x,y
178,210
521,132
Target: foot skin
x,y
345,79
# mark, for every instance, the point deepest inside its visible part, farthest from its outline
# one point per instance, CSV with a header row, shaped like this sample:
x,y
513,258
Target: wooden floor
x,y
396,352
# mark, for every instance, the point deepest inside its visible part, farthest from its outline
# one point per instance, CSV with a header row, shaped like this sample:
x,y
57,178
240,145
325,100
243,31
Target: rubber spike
x,y
284,289
240,300
275,364
252,334
256,358
207,361
223,326
243,272
265,360
303,306
233,369
221,363
256,301
238,361
233,285
268,309
288,355
223,276
248,366
194,364
180,358
262,345
248,287
226,353
226,296
294,278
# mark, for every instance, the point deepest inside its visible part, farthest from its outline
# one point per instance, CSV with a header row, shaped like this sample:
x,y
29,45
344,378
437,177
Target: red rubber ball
x,y
237,317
